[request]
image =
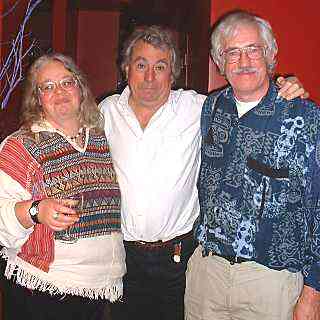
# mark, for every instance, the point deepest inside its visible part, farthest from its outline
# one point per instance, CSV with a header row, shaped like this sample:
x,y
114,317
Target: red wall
x,y
59,22
97,49
296,27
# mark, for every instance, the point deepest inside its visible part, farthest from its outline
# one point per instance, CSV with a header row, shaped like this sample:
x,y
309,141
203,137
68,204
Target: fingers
x,y
288,88
69,202
284,87
66,206
293,92
280,81
60,221
291,88
57,214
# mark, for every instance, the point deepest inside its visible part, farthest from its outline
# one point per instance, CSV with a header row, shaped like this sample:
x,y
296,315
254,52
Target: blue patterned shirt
x,y
253,182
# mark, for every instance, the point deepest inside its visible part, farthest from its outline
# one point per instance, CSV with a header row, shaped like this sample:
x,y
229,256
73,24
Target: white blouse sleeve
x,y
12,233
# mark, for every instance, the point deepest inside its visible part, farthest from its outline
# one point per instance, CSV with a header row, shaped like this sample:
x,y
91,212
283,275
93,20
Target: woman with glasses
x,y
59,201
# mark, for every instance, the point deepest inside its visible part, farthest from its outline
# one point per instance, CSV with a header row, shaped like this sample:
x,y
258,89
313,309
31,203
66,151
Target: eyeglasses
x,y
48,87
253,52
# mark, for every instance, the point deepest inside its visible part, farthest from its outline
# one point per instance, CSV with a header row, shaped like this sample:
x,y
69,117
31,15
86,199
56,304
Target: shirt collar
x,y
271,95
43,125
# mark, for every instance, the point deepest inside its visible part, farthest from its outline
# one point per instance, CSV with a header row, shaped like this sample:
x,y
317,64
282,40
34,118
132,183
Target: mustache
x,y
245,70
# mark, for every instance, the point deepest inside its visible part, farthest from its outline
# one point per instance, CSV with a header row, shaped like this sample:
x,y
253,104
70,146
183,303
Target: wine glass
x,y
66,235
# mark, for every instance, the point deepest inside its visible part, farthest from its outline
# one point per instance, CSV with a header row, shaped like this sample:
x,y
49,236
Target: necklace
x,y
73,138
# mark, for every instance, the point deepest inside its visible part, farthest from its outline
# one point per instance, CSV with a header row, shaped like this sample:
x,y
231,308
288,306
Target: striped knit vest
x,y
66,172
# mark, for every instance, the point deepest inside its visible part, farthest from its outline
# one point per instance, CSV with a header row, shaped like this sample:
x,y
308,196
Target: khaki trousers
x,y
217,290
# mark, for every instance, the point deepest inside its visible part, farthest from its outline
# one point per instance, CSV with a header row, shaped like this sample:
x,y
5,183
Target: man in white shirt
x,y
154,135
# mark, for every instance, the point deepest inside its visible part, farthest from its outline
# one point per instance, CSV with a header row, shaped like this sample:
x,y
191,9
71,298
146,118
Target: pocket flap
x,y
266,170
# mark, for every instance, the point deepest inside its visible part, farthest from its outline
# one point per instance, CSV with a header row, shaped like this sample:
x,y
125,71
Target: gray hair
x,y
227,26
89,114
159,38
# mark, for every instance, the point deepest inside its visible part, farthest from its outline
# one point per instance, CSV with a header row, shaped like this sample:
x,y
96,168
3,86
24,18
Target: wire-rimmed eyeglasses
x,y
254,52
48,87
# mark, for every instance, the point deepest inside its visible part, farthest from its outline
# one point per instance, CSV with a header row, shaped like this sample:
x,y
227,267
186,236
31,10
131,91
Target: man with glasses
x,y
154,136
259,253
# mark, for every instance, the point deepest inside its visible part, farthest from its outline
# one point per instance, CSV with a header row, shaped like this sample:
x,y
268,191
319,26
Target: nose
x,y
244,59
59,88
149,75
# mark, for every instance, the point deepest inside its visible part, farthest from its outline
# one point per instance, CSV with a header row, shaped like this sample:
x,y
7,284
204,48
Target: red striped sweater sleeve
x,y
16,162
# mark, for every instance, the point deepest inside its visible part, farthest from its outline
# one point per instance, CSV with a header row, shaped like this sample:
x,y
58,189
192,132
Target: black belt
x,y
231,259
159,244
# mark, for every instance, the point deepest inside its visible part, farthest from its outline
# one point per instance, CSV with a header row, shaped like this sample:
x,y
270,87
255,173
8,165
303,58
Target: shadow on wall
x,y
9,121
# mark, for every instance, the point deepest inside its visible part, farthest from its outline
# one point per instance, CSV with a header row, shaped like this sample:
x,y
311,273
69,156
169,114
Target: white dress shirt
x,y
157,167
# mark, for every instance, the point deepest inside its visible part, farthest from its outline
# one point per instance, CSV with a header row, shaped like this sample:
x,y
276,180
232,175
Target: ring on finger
x,y
55,216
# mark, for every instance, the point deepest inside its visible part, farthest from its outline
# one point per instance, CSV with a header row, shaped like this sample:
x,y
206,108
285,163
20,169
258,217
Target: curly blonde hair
x,y
89,114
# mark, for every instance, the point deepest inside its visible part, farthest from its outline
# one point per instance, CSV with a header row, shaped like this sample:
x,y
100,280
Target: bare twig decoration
x,y
11,70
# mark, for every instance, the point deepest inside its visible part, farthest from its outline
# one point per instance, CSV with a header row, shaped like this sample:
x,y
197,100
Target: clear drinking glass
x,y
66,235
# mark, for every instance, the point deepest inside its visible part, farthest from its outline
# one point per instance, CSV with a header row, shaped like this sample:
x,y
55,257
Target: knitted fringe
x,y
112,292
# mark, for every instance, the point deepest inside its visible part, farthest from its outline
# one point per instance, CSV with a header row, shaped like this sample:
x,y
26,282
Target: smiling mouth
x,y
62,100
245,73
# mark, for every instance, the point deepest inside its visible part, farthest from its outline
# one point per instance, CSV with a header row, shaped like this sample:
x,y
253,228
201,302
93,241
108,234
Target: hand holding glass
x,y
75,202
